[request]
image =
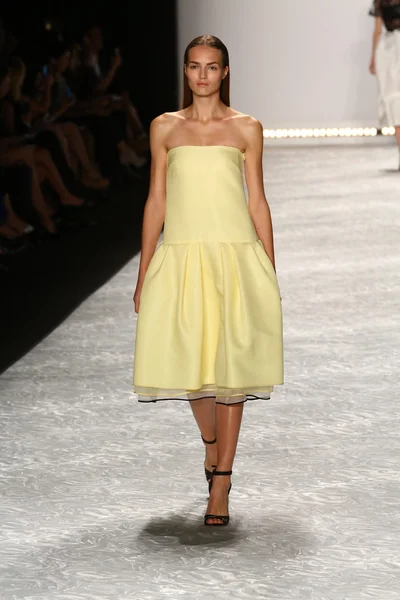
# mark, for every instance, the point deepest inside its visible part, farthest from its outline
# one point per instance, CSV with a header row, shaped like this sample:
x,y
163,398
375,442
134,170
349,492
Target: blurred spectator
x,y
95,82
11,158
33,117
63,133
47,155
93,113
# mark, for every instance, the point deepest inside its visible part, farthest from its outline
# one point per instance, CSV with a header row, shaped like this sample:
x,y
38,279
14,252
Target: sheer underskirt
x,y
221,395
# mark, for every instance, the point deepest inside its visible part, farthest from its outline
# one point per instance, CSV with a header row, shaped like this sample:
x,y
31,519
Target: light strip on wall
x,y
345,132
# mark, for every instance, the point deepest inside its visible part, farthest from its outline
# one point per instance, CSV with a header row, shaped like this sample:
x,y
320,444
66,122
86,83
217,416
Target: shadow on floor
x,y
276,536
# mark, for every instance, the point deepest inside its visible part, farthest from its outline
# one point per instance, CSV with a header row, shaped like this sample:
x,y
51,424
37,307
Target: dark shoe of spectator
x,y
15,246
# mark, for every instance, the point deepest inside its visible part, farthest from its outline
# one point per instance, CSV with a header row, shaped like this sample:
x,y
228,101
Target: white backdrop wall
x,y
294,63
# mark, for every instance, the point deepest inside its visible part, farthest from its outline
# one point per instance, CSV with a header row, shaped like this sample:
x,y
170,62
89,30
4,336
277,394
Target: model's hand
x,y
372,68
136,297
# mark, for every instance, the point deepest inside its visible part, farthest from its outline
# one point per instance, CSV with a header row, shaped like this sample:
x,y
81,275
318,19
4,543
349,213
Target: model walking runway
x,y
103,497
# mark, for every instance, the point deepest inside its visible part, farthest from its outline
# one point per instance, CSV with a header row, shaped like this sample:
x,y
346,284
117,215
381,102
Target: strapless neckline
x,y
226,147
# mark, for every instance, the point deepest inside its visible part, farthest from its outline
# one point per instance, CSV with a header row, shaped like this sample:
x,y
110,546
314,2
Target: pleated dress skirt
x,y
210,320
387,61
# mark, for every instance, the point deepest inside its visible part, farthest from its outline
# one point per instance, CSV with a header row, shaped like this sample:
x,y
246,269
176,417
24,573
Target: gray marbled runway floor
x,y
102,497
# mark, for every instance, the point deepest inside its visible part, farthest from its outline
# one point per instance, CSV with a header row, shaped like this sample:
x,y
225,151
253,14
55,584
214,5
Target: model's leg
x,y
228,421
204,413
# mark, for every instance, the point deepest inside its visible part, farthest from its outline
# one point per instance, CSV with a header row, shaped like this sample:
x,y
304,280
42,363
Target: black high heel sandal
x,y
209,474
223,518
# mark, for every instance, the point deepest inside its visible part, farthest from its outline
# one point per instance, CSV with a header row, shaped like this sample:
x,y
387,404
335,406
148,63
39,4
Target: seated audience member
x,y
18,179
47,154
16,150
31,117
95,114
98,83
11,165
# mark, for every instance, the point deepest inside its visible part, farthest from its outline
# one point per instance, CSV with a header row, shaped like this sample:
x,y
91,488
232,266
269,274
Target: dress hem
x,y
247,397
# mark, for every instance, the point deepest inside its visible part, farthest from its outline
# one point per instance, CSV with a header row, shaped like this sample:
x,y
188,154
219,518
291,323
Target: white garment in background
x,y
387,63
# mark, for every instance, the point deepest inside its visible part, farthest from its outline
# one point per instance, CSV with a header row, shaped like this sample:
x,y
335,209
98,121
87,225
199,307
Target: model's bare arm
x,y
257,202
154,211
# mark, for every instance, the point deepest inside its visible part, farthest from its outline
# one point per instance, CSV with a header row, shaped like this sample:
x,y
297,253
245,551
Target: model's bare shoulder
x,y
160,123
160,128
177,114
250,126
165,124
169,119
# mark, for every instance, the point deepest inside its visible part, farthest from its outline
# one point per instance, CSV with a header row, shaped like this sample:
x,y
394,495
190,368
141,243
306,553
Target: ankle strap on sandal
x,y
222,472
206,442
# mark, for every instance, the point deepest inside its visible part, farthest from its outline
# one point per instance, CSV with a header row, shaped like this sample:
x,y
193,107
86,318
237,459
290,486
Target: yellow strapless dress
x,y
210,321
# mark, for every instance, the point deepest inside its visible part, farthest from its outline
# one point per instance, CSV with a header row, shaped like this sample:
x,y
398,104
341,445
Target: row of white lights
x,y
327,132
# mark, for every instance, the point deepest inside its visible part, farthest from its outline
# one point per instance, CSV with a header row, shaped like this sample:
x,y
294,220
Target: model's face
x,y
204,70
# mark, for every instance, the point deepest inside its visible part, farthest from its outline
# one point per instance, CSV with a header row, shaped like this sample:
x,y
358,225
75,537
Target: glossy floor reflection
x,y
102,497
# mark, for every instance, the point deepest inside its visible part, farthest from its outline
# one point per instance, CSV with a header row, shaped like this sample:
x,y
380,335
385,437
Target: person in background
x,y
33,112
95,114
99,83
385,62
14,157
48,155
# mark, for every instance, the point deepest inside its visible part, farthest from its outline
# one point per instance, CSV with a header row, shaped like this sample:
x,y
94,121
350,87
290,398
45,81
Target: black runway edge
x,y
42,286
